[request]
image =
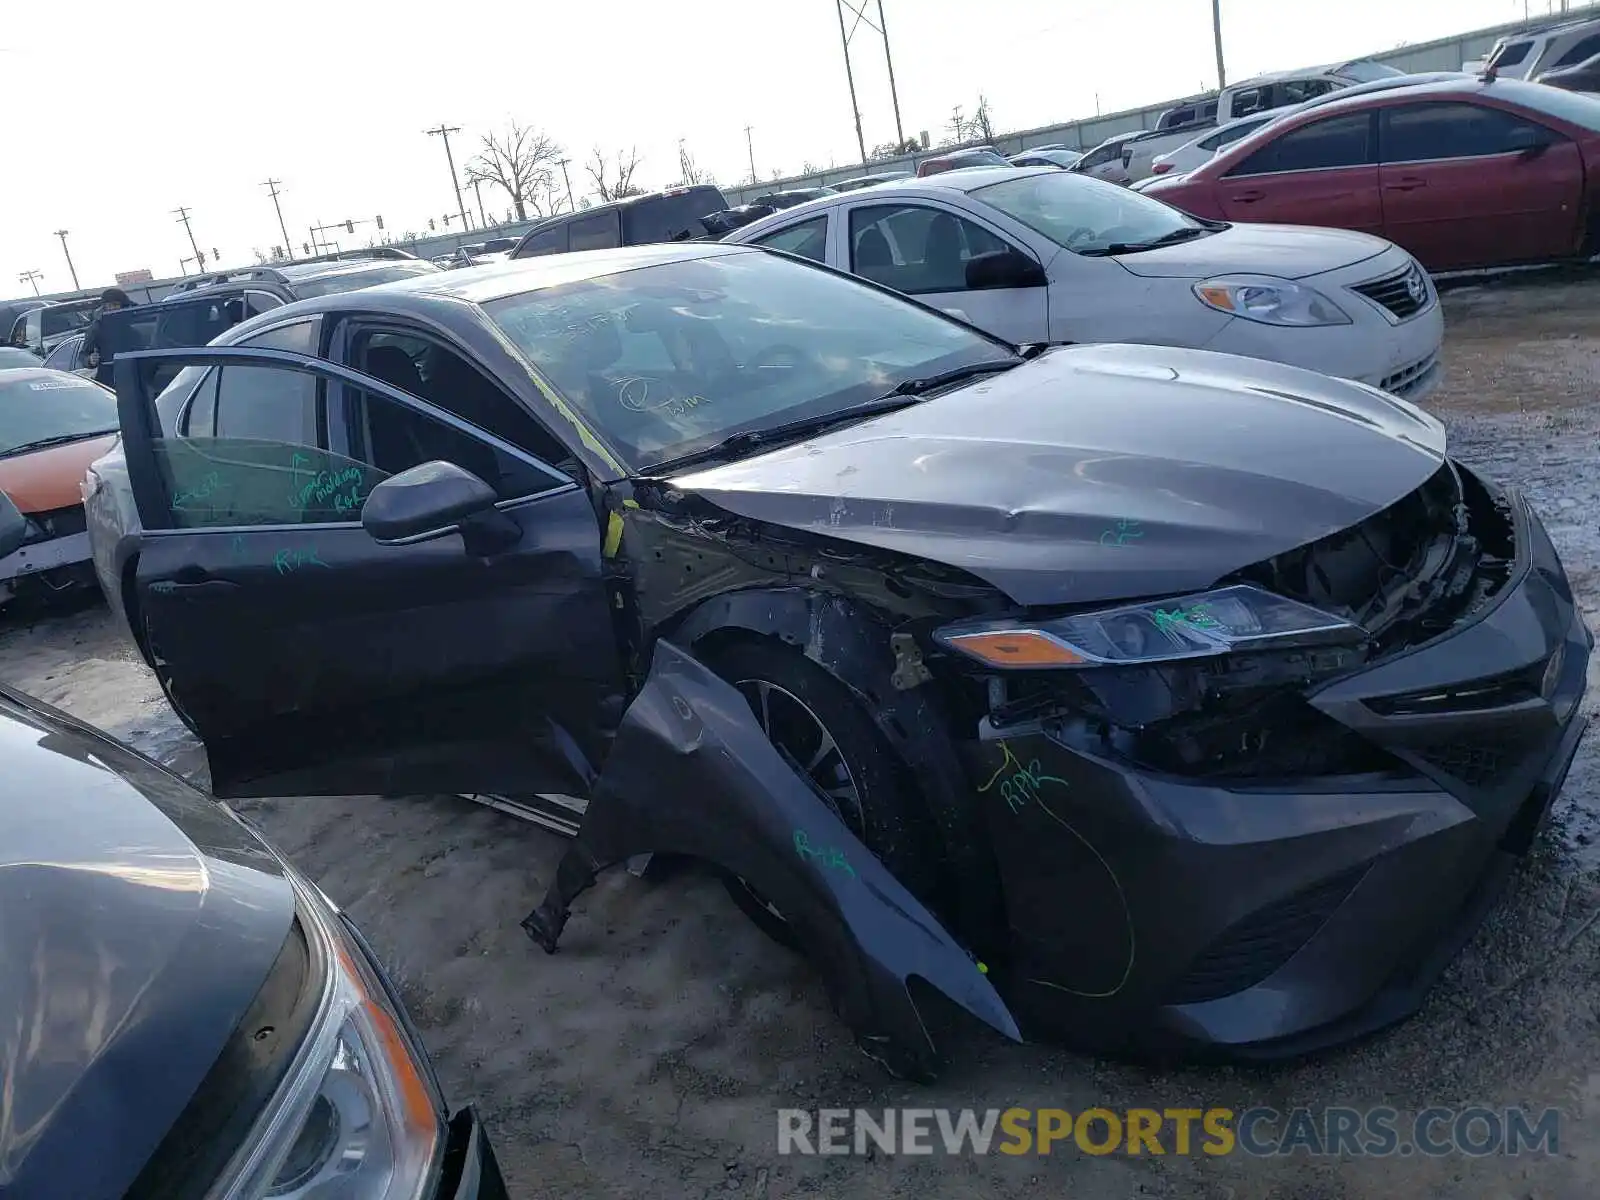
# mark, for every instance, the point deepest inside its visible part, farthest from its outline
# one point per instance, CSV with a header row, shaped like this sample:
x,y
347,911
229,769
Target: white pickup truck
x,y
1281,90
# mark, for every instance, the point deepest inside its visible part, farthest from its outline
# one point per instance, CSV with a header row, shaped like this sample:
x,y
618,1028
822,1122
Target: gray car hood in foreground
x,y
1284,251
137,922
1099,472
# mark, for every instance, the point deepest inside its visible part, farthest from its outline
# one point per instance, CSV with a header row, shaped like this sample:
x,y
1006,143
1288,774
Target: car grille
x,y
1395,291
1408,379
1255,947
1477,763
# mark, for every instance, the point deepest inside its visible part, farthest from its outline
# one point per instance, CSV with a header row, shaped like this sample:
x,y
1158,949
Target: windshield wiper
x,y
61,440
902,395
1171,238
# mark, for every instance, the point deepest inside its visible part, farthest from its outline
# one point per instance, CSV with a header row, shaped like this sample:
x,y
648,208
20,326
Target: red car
x,y
1462,173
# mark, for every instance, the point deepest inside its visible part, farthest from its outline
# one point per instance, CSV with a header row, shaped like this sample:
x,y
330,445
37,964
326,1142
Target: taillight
x,y
1160,168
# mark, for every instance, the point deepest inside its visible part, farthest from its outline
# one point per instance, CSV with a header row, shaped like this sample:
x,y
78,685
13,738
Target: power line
x,y
444,131
850,77
32,277
272,187
751,148
62,234
567,179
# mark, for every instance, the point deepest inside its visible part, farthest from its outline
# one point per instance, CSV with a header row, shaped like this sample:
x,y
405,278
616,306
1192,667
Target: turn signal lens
x,y
1016,648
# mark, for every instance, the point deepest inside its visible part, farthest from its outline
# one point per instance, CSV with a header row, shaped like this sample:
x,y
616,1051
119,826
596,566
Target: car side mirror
x,y
13,527
1003,269
434,499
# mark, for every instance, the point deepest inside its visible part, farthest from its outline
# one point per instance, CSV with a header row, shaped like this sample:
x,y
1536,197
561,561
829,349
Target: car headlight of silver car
x,y
357,1116
1269,300
1224,621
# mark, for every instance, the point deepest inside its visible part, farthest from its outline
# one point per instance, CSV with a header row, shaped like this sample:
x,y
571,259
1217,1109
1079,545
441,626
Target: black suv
x,y
674,215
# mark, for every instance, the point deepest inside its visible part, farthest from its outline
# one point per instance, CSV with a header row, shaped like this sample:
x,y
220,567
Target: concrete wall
x,y
1445,54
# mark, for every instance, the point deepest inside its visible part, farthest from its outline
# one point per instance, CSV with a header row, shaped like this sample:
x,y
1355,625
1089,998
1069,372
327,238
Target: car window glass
x,y
752,339
1083,214
809,239
1342,141
670,218
1419,132
349,281
432,371
299,336
1296,91
65,356
916,249
1583,49
260,302
1512,54
1249,100
598,232
391,438
548,241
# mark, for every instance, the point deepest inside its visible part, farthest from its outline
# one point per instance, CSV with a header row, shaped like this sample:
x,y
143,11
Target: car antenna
x,y
1490,73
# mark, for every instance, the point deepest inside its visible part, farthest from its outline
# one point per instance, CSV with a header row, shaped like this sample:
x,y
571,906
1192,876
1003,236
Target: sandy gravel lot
x,y
648,1058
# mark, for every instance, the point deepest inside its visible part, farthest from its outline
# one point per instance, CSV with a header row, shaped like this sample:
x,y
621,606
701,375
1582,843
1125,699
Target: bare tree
x,y
521,162
690,172
981,126
614,183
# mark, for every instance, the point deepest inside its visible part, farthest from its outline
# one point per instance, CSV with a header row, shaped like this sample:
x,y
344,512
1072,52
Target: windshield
x,y
55,320
1580,108
352,280
40,406
1086,215
666,360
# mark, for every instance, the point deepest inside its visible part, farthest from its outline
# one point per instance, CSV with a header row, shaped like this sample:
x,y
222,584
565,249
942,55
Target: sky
x,y
139,108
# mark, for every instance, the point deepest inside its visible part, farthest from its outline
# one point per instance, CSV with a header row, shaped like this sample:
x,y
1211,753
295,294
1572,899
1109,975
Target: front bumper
x,y
1151,912
39,557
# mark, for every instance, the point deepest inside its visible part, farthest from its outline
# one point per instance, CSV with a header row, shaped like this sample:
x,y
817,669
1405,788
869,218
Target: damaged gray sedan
x,y
1137,698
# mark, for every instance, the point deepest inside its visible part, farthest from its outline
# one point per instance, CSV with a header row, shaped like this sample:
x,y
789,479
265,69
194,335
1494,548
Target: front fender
x,y
691,773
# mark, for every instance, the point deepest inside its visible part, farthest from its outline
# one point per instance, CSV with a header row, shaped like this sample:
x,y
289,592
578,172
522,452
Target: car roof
x,y
495,280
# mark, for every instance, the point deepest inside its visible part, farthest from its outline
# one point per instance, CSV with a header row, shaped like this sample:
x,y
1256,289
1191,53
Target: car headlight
x,y
1269,300
1225,621
356,1117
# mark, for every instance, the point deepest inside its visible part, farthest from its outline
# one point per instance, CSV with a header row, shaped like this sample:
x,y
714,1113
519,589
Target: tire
x,y
860,779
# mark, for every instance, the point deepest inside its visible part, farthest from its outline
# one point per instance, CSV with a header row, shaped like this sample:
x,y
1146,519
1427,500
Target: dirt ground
x,y
648,1058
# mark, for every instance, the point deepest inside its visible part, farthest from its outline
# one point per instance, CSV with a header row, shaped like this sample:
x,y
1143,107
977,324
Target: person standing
x,y
110,301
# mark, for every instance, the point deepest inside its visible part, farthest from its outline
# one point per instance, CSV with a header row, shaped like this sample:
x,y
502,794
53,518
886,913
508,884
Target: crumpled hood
x,y
137,921
1287,251
1099,472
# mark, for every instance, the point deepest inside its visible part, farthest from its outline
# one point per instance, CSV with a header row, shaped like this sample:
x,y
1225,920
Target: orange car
x,y
52,426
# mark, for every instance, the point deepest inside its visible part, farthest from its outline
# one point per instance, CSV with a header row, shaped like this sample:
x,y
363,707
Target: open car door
x,y
691,773
346,590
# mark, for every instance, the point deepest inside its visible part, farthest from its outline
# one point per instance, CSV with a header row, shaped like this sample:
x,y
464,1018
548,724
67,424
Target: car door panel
x,y
692,773
311,659
1455,196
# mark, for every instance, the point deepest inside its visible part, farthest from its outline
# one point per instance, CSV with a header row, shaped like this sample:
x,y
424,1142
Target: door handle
x,y
171,587
1247,197
1409,184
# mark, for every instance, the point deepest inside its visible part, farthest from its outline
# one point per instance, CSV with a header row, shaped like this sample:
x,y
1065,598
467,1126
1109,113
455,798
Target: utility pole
x,y
183,218
894,94
1216,33
62,234
850,77
272,186
751,148
477,190
32,277
445,131
572,204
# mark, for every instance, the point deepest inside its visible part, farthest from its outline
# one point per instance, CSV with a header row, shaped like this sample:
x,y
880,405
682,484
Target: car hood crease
x,y
1284,251
1098,472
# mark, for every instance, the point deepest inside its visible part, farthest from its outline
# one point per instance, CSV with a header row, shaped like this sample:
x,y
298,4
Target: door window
x,y
260,302
423,367
1297,91
1584,49
1421,132
598,232
1343,141
1511,54
915,249
809,239
547,241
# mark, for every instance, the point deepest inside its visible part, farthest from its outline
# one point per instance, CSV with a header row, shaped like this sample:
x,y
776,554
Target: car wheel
x,y
823,731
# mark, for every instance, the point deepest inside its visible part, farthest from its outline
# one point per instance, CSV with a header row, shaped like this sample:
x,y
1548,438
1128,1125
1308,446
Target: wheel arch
x,y
850,641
